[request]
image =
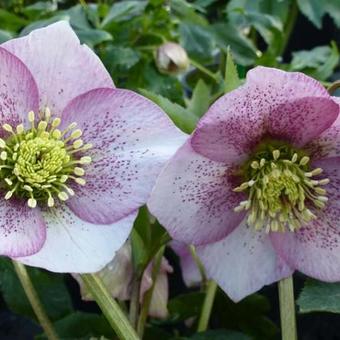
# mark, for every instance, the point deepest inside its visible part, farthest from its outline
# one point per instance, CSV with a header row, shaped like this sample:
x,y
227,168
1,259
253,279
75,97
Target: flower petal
x,y
18,90
315,249
274,103
22,229
193,198
73,245
62,67
132,138
243,262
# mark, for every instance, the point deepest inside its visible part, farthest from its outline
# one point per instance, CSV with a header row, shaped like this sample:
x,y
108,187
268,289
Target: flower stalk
x,y
207,306
148,295
34,300
109,307
287,309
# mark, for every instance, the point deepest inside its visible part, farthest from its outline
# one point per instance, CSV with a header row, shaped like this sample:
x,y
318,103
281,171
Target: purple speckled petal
x,y
62,68
132,138
283,105
75,246
243,262
18,90
22,229
315,249
193,198
327,144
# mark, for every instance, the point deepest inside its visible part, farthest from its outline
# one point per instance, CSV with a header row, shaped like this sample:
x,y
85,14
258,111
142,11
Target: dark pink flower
x,y
256,187
78,157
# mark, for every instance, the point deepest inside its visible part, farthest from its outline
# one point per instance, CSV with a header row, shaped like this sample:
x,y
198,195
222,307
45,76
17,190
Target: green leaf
x,y
5,35
42,23
313,10
146,239
187,12
123,11
243,49
231,79
319,296
220,334
200,99
93,37
186,306
50,287
11,22
81,325
197,40
183,119
319,62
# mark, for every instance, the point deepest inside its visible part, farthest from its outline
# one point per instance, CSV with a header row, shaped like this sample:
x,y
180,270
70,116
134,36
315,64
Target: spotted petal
x,y
62,67
73,245
193,198
22,229
132,139
315,249
18,90
282,105
243,262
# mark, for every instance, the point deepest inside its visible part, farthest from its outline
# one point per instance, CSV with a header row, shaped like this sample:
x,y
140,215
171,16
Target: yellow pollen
x,y
36,164
282,193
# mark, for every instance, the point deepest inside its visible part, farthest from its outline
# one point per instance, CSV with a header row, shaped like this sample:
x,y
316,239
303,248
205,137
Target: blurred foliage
x,y
126,35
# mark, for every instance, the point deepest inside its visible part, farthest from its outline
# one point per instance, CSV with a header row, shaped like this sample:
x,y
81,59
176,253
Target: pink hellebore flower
x,y
118,275
78,157
256,187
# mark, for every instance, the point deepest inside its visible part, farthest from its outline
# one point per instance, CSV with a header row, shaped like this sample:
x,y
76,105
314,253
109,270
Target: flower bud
x,y
171,58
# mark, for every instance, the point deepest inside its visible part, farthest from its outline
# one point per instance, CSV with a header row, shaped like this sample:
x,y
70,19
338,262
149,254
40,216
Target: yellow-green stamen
x,y
37,163
282,194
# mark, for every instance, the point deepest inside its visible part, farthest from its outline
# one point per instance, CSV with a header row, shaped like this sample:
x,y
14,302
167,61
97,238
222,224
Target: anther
x,y
295,157
63,196
2,143
85,160
20,129
7,128
32,202
304,160
78,171
3,155
276,154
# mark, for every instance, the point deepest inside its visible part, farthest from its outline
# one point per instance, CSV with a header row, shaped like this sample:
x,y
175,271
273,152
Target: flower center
x,y
282,193
36,164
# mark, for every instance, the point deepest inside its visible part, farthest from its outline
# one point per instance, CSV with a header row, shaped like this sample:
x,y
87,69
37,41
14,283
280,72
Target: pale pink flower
x,y
256,187
78,157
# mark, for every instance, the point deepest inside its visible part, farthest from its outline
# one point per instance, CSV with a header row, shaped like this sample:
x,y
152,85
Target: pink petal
x,y
75,246
132,138
62,67
193,198
274,103
22,229
243,262
18,90
315,249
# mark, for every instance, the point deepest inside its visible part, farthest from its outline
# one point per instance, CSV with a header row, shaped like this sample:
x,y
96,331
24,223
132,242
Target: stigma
x,y
42,163
282,189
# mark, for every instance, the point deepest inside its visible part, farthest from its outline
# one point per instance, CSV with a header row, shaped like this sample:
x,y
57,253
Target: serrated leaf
x,y
231,78
319,296
10,21
5,35
93,37
182,118
313,10
200,99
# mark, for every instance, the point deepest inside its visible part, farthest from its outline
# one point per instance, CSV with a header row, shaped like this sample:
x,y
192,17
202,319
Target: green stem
x,y
293,13
207,306
34,301
287,309
148,295
109,307
204,70
333,87
199,264
134,301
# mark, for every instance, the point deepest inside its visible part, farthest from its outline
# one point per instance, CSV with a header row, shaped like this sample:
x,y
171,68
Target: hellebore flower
x,y
256,187
78,157
118,275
